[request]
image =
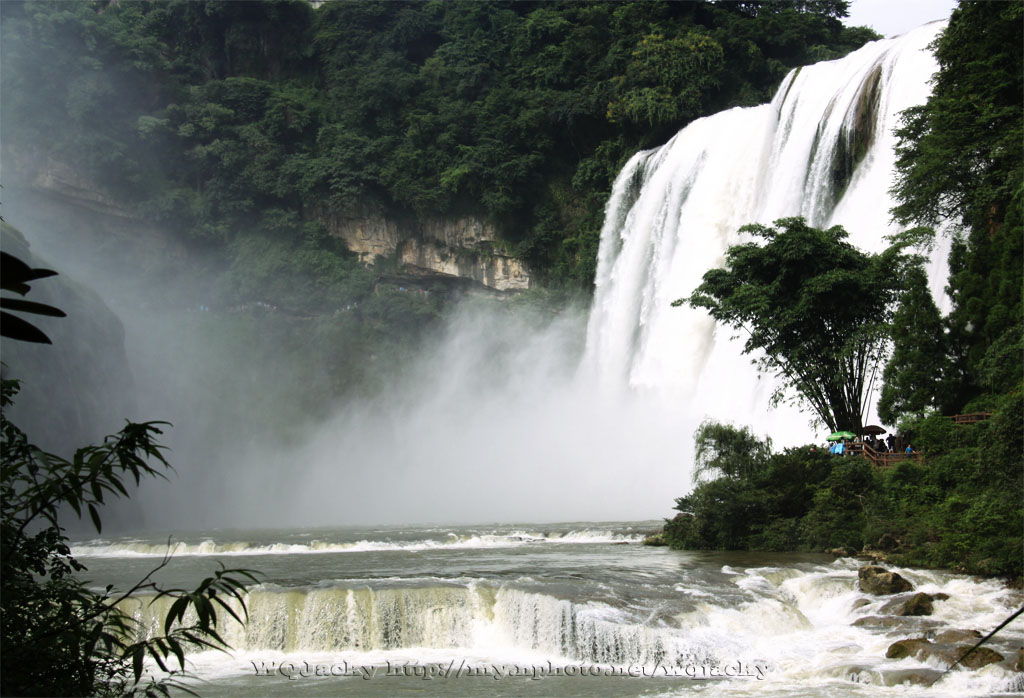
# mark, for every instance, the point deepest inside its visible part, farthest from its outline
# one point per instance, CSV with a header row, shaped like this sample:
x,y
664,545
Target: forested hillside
x,y
239,127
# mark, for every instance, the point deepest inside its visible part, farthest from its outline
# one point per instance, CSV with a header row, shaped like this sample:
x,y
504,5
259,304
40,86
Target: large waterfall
x,y
823,149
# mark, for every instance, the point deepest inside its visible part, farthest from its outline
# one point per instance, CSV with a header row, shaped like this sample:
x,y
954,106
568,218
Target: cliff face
x,y
456,247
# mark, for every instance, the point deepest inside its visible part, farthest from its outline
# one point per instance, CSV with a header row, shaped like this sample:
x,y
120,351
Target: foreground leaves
x,y
58,636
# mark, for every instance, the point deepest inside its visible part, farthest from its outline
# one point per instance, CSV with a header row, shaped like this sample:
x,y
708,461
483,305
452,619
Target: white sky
x,y
893,17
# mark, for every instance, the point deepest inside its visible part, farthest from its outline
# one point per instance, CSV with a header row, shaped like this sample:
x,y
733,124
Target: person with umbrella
x,y
840,438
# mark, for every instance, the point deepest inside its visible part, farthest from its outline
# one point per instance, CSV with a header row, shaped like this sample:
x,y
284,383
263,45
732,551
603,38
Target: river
x,y
565,609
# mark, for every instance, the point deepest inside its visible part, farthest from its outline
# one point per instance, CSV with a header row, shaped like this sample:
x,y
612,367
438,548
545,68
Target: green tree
x,y
728,451
959,158
915,371
816,310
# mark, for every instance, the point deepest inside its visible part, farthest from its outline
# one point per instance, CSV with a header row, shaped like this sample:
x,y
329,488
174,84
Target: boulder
x,y
898,624
954,636
842,551
910,647
920,604
880,581
655,539
983,656
923,649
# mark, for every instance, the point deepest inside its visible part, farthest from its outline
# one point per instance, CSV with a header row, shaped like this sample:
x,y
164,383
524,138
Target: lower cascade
x,y
443,617
805,622
823,149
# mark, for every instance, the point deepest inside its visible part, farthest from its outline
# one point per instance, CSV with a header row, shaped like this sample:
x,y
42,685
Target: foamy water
x,y
621,619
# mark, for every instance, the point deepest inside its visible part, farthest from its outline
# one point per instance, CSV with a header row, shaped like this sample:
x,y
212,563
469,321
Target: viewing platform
x,y
879,459
971,418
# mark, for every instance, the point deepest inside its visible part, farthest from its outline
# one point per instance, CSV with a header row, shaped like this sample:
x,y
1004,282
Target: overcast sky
x,y
893,17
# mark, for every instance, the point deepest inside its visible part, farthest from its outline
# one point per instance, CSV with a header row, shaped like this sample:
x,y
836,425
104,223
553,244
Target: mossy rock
x,y
880,581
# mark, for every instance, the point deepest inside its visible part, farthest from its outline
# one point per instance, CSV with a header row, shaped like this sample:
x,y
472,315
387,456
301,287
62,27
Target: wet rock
x,y
903,624
1019,664
910,647
880,581
923,649
858,603
655,539
955,636
983,656
842,551
920,604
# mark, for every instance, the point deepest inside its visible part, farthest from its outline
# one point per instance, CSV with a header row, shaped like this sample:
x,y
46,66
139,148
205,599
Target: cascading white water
x,y
831,629
823,149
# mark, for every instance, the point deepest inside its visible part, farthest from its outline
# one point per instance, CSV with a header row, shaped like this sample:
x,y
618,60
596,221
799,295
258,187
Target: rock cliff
x,y
465,248
458,247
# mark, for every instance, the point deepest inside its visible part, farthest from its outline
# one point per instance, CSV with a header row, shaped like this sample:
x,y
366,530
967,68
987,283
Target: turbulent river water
x,y
553,610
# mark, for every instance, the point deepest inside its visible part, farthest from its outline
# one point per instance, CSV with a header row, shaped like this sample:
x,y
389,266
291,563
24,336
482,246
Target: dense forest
x,y
239,127
959,159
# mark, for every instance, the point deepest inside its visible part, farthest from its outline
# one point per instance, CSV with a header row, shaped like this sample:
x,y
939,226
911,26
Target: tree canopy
x,y
959,158
912,379
816,311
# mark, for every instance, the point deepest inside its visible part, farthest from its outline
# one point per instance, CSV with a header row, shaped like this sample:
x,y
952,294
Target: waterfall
x,y
493,621
822,149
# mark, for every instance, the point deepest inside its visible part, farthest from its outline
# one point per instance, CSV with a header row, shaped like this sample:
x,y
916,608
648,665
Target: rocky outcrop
x,y
465,247
500,272
880,581
369,237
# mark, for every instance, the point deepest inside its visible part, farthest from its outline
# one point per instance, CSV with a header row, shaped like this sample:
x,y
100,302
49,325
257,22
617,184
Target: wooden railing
x,y
971,418
879,459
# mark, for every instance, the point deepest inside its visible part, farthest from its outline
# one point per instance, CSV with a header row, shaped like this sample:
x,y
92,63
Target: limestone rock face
x,y
880,581
369,237
456,247
464,247
495,271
